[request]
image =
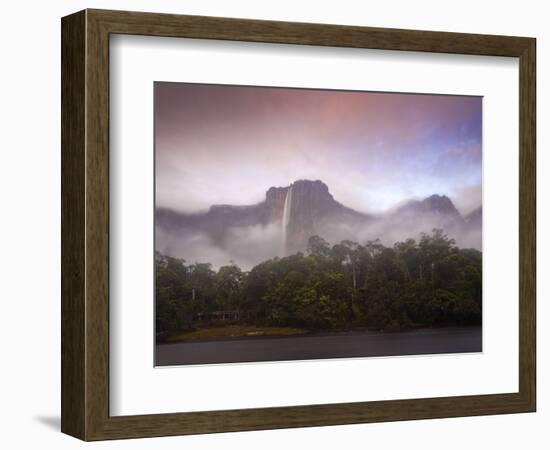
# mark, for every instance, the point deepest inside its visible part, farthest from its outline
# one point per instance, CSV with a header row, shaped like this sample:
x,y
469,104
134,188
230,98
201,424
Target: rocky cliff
x,y
312,210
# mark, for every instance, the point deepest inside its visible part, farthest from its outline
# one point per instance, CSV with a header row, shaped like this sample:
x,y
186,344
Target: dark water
x,y
342,345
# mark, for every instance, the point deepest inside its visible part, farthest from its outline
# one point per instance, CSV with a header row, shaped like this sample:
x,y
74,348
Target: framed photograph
x,y
249,253
272,224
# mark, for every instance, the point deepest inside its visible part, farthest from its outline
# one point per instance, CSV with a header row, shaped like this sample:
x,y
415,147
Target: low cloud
x,y
249,246
245,246
468,199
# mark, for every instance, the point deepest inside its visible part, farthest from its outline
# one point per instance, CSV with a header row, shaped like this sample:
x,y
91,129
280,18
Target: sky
x,y
218,144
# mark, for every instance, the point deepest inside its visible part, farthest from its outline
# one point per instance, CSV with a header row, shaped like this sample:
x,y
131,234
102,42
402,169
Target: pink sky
x,y
219,144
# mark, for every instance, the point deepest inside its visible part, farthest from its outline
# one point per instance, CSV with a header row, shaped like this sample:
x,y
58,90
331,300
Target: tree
x,y
347,258
202,282
174,309
228,283
318,247
424,283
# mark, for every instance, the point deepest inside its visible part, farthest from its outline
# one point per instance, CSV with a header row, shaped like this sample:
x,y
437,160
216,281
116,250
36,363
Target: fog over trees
x,y
424,282
282,223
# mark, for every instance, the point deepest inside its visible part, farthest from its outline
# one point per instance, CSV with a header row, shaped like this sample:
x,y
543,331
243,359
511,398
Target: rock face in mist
x,y
438,211
274,203
436,205
290,215
474,219
471,231
311,209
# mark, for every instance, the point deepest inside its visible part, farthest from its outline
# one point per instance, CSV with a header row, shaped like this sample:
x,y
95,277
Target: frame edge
x,y
528,224
73,224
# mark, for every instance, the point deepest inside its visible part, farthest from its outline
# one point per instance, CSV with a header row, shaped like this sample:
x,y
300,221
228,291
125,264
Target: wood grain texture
x,y
527,224
151,24
73,226
97,226
85,224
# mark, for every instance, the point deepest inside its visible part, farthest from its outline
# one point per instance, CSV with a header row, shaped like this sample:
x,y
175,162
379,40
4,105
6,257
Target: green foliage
x,y
318,247
425,283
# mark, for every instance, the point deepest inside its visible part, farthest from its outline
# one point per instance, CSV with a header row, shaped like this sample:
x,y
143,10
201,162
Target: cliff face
x,y
312,210
437,205
311,203
274,203
475,218
312,206
438,210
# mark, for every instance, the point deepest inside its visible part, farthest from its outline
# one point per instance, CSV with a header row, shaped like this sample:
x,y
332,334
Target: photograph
x,y
308,224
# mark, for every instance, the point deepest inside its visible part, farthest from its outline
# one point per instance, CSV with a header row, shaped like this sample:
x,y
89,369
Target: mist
x,y
249,246
244,246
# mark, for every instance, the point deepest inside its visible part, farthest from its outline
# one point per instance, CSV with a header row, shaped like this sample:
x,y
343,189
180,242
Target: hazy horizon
x,y
463,212
217,144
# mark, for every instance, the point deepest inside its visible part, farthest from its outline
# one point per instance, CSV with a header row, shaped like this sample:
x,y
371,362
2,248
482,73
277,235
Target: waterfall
x,y
286,219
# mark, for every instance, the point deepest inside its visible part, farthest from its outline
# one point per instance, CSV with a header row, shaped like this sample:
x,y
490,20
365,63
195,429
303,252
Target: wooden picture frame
x,y
85,224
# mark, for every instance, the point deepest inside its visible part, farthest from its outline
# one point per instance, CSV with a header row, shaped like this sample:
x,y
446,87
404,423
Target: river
x,y
338,345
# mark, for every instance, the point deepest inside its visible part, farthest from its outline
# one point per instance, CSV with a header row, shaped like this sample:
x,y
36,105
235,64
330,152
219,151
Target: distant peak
x,y
438,200
301,183
435,203
305,182
438,196
307,195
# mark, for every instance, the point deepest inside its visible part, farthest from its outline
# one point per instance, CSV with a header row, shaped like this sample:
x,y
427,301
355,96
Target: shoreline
x,y
320,333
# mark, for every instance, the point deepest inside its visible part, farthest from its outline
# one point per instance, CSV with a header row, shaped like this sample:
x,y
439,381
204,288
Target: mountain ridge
x,y
311,209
